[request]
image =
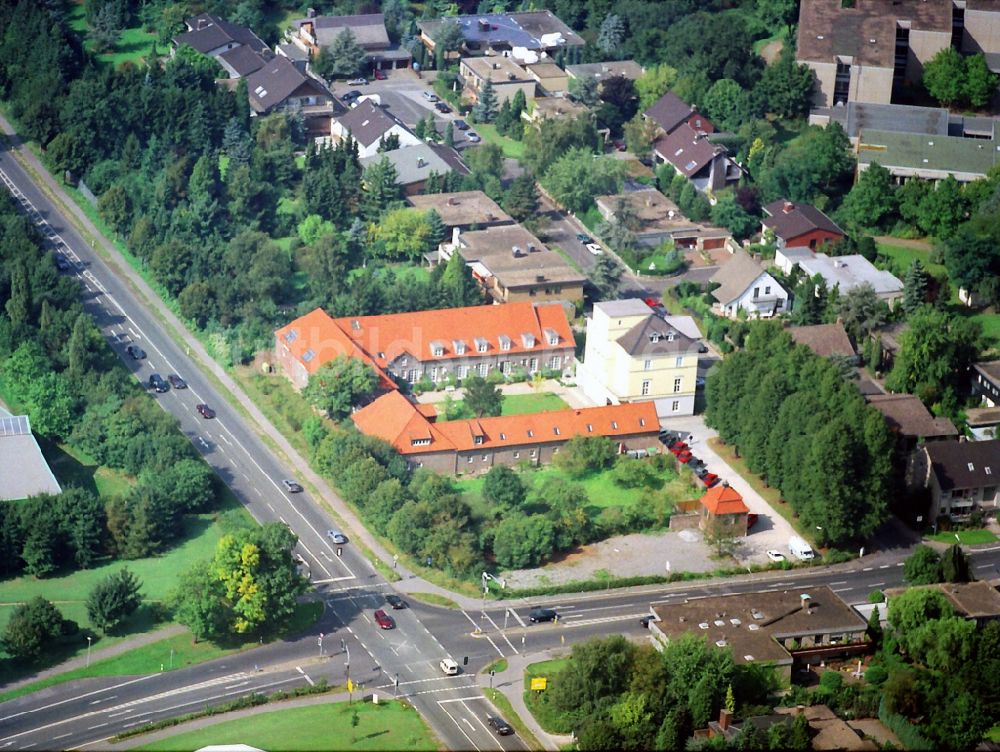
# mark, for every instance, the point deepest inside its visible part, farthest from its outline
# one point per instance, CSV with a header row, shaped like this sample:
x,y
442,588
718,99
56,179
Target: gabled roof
x,y
416,163
395,419
668,111
723,499
368,122
906,415
824,339
735,276
790,220
244,60
655,336
368,29
462,208
208,32
686,150
965,464
278,80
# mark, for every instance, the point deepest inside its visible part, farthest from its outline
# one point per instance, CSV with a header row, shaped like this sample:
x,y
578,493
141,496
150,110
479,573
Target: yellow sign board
x,y
539,682
350,686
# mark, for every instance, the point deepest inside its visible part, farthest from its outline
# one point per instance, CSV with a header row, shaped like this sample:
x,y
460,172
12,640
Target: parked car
x,y
205,411
752,520
712,483
430,96
291,486
379,75
176,381
595,249
460,125
357,82
541,614
678,446
709,479
448,666
442,107
337,537
776,556
584,238
157,384
395,601
62,264
384,620
499,725
136,352
644,621
350,96
684,457
473,137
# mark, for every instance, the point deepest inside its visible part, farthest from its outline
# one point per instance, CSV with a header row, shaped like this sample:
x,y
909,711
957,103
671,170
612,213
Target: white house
x,y
743,283
844,272
368,124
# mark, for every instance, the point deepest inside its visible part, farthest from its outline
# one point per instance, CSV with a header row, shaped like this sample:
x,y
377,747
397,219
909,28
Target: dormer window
x,y
437,349
654,337
670,336
528,339
504,342
503,436
477,439
590,428
987,470
481,345
552,336
642,422
971,468
459,346
419,442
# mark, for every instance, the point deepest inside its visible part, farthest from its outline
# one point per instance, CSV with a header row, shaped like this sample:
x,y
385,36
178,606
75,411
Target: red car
x,y
710,479
379,75
384,620
684,456
751,520
205,411
679,447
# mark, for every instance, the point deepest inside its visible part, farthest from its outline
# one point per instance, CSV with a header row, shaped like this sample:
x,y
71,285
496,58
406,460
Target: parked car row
x,y
677,446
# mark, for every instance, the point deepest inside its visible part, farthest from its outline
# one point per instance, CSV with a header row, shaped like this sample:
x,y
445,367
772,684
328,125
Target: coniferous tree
x,y
914,287
485,108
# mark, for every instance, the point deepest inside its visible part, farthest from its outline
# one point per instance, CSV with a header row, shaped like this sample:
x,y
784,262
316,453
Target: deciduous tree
x,y
482,397
113,599
32,627
337,385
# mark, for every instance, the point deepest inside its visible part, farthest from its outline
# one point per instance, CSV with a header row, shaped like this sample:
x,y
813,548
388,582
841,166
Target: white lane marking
x,y
99,725
841,590
884,566
867,569
877,584
460,699
238,684
459,727
311,682
123,712
518,617
841,582
78,697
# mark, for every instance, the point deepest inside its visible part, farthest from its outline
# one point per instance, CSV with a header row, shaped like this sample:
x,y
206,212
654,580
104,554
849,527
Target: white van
x,y
800,549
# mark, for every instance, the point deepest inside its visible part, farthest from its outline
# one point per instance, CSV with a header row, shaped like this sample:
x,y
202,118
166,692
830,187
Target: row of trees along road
x,y
807,431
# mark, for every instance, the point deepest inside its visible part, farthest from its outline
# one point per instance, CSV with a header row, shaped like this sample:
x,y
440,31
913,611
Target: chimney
x,y
421,162
310,13
724,718
452,201
788,207
496,66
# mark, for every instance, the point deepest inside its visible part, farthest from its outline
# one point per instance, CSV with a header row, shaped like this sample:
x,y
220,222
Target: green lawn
x,y
967,537
903,256
388,725
132,46
511,148
74,468
516,404
548,718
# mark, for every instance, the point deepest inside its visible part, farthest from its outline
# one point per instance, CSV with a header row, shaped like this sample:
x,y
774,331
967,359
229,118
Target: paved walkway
x,y
97,655
571,394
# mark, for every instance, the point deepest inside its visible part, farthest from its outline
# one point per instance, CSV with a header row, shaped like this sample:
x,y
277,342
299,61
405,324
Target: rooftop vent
x,y
532,248
719,623
516,251
720,643
703,625
421,162
356,325
755,613
753,627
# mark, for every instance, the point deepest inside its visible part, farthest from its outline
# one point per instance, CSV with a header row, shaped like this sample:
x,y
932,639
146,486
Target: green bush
x,y
876,675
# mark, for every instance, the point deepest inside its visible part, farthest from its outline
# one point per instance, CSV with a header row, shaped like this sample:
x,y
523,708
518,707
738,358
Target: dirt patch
x,y
771,50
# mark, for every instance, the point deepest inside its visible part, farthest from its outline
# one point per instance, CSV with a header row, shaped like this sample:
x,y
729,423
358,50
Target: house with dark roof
x,y
910,421
527,37
745,284
281,87
316,32
986,382
961,476
799,225
24,471
237,49
474,446
634,354
691,154
415,165
976,601
826,340
669,112
369,124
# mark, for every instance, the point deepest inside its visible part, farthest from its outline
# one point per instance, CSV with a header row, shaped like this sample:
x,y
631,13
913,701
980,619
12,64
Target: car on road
x,y
136,352
291,486
776,556
357,82
62,264
460,125
337,537
350,96
448,666
499,725
379,75
429,96
157,384
176,381
442,107
205,411
595,249
473,137
395,601
644,621
542,614
584,237
384,620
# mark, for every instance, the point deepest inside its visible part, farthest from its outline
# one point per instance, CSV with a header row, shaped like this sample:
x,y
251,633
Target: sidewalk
x,y
97,655
510,683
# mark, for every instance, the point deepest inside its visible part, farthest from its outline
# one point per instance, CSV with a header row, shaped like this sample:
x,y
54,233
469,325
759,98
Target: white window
x,y
505,367
677,385
645,388
485,457
504,342
555,362
463,371
470,459
533,365
675,406
517,455
481,345
679,361
647,365
534,452
555,430
412,376
482,368
614,425
437,351
590,428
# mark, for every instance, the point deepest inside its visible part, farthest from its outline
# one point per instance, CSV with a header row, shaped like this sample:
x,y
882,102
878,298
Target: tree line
x,y
807,431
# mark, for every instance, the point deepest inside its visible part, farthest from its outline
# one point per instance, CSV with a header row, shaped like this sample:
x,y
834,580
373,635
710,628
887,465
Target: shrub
x,y
876,675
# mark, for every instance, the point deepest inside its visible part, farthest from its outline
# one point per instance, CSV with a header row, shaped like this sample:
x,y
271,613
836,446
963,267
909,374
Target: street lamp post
x,y
88,650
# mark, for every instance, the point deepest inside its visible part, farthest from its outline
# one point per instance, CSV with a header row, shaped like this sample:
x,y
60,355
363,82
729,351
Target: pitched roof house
x,y
962,476
463,209
910,421
799,225
477,444
24,471
723,504
316,32
416,164
368,124
743,283
826,340
670,111
280,86
660,219
212,35
690,153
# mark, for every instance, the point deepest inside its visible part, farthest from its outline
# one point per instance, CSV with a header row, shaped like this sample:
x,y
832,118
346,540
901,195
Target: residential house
x,y
669,112
416,164
826,340
235,47
654,219
507,78
553,108
961,477
452,342
527,37
888,339
630,69
478,444
723,505
799,225
843,272
744,284
790,629
281,87
862,50
24,471
986,382
369,125
466,210
298,56
983,422
911,422
512,264
314,33
915,155
976,601
552,80
691,154
634,354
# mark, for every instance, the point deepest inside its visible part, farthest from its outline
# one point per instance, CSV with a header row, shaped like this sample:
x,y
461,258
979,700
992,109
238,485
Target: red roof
x,y
397,420
724,500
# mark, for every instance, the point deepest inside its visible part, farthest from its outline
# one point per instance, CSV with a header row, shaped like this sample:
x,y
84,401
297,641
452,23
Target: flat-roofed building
x,y
524,36
917,155
24,471
630,69
657,219
466,210
507,78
